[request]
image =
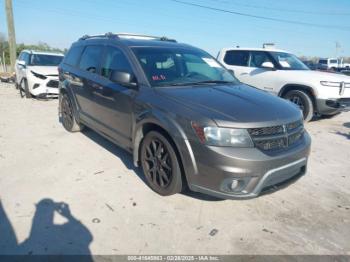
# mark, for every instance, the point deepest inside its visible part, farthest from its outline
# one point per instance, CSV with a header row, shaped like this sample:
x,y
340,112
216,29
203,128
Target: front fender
x,y
173,128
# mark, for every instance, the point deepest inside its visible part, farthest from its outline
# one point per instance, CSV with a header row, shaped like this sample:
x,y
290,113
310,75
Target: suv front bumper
x,y
250,170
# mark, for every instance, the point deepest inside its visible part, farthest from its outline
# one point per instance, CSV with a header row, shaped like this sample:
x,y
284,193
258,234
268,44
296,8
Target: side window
x,y
25,58
20,57
257,58
90,59
114,60
73,55
238,58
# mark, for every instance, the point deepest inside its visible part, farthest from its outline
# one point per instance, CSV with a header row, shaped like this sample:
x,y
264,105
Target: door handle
x,y
243,74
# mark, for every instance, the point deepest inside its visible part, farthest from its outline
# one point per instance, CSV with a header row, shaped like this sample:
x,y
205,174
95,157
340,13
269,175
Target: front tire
x,y
68,118
160,164
24,88
303,100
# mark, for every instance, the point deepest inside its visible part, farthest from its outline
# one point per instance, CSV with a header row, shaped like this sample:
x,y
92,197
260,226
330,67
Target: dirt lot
x,y
112,211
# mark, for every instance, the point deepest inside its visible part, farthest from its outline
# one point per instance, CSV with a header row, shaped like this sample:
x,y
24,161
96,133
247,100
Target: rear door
x,y
113,103
84,84
237,60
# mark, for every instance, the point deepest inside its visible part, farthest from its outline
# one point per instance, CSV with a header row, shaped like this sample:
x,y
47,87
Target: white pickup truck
x,y
283,74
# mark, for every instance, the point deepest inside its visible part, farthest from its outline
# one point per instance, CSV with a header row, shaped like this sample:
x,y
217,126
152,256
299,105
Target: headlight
x,y
328,83
38,75
217,136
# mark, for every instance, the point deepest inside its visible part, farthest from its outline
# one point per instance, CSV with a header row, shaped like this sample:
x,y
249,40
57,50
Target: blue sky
x,y
61,22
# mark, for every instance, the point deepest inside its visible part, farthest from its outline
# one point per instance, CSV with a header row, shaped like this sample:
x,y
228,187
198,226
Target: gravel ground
x,y
65,193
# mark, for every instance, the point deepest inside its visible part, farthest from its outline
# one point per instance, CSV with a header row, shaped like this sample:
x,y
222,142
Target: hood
x,y
44,70
320,75
235,105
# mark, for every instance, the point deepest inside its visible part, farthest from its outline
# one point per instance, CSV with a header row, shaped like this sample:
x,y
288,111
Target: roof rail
x,y
127,35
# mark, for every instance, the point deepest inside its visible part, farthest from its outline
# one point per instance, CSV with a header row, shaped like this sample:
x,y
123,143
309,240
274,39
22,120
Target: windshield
x,y
45,60
176,66
288,61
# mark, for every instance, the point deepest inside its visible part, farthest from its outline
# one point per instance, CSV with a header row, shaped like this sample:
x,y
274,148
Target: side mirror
x,y
124,79
21,63
268,65
231,71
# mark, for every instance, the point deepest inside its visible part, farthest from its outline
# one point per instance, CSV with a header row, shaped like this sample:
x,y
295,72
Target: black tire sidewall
x,y
307,103
175,185
26,89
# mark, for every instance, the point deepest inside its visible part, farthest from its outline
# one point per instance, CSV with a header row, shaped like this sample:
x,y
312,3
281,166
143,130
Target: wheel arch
x,y
307,89
63,89
168,129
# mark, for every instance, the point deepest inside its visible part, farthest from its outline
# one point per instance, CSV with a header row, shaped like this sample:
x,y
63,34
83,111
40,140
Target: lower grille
x,y
277,137
52,83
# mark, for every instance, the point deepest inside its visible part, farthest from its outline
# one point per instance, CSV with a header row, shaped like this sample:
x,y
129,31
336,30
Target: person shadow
x,y
64,240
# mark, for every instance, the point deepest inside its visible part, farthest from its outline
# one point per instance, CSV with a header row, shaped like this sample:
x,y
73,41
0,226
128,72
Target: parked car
x,y
37,74
283,74
328,64
311,65
185,119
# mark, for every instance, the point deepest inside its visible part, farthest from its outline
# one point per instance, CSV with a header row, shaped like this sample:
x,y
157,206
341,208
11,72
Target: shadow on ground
x,y
127,159
46,237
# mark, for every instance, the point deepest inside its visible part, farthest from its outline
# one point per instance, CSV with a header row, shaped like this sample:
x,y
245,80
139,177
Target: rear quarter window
x,y
238,58
73,55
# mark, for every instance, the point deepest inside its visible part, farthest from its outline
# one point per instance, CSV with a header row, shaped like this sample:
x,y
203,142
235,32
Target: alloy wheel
x,y
158,163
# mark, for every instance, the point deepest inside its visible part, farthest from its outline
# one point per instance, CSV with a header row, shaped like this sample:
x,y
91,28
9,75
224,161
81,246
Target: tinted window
x,y
20,57
333,61
323,61
90,59
114,60
258,58
45,60
73,55
239,58
25,58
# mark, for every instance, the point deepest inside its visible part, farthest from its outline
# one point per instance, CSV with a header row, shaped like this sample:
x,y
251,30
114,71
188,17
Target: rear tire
x,y
68,118
160,164
303,100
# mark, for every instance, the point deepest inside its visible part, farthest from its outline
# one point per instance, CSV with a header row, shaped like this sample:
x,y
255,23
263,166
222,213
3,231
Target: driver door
x,y
258,76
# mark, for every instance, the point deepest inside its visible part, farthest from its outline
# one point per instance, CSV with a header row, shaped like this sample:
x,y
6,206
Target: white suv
x,y
37,73
282,73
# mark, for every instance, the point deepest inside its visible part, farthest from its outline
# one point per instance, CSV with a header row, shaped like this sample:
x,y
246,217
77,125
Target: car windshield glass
x,y
176,67
289,61
45,60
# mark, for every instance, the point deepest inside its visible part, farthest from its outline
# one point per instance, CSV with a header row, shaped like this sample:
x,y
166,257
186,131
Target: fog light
x,y
234,184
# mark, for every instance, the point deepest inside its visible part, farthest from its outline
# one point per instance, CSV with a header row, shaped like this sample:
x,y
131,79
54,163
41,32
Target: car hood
x,y
235,105
44,70
319,75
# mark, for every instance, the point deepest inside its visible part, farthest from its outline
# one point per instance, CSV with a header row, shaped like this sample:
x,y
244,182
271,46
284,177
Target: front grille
x,y
277,137
52,83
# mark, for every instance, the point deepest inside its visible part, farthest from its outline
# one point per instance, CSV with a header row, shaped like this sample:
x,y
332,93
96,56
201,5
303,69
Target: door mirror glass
x,y
267,65
21,63
123,78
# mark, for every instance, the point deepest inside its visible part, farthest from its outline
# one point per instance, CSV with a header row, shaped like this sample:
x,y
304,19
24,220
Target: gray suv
x,y
185,119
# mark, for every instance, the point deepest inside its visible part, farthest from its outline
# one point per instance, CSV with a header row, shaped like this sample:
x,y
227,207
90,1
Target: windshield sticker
x,y
158,77
211,62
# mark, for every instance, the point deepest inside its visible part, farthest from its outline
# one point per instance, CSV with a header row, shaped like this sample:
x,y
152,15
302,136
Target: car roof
x,y
43,52
255,49
132,40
